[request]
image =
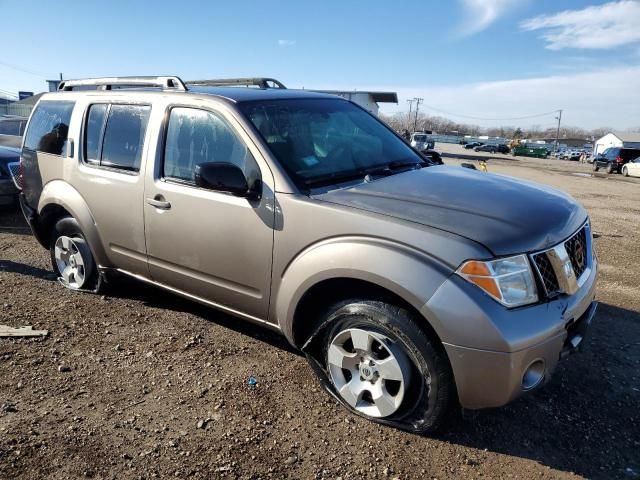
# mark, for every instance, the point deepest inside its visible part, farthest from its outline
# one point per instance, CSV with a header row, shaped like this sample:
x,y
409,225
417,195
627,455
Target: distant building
x,y
367,100
616,139
567,142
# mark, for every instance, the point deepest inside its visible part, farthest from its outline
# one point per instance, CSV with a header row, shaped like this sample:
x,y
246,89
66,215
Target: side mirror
x,y
225,177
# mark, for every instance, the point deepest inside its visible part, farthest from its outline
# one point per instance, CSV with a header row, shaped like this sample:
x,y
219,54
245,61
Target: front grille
x,y
576,248
547,275
14,170
555,276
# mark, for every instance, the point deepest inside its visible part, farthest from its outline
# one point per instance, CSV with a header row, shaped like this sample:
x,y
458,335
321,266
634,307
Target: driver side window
x,y
197,136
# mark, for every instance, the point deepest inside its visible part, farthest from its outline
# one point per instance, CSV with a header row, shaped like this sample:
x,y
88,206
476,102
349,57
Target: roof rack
x,y
107,83
261,82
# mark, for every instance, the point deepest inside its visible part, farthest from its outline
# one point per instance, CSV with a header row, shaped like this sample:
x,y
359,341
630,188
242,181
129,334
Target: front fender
x,y
409,273
59,192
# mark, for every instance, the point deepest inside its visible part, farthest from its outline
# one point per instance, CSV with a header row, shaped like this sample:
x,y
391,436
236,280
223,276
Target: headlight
x,y
508,280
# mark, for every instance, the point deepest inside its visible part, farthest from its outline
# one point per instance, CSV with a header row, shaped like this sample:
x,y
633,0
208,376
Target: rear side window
x,y
611,153
114,135
49,127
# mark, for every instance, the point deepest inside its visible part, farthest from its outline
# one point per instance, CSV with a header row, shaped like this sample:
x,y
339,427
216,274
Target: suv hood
x,y
506,215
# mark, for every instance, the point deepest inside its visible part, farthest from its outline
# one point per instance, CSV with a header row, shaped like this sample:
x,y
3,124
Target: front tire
x,y
625,171
595,167
384,367
71,257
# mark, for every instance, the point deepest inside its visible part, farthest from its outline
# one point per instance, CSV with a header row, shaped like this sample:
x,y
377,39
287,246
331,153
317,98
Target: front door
x,y
209,244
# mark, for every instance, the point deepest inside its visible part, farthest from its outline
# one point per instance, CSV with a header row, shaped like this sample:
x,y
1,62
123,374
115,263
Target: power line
x,y
524,117
23,70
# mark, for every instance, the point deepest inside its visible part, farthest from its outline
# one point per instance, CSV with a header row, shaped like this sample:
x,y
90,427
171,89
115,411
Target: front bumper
x,y
490,348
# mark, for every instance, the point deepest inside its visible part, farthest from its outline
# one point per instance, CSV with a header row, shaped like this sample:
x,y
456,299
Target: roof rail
x,y
107,83
262,82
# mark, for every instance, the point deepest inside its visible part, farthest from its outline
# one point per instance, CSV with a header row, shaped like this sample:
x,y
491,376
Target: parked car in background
x,y
574,155
11,125
11,130
472,145
492,148
632,168
9,160
421,142
411,287
612,159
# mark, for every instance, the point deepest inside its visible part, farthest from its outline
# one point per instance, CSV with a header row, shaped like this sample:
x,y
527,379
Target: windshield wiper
x,y
391,167
334,177
384,169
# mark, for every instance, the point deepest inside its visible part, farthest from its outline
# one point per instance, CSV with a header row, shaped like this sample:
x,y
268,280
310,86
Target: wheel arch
x,y
343,268
59,199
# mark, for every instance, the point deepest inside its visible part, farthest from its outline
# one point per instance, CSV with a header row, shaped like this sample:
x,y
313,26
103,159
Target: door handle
x,y
159,202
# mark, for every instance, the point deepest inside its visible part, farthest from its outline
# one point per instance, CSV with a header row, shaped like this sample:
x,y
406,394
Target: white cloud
x,y
479,14
602,26
607,97
286,43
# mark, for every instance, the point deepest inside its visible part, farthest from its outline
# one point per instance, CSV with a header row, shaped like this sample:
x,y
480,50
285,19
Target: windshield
x,y
325,138
420,138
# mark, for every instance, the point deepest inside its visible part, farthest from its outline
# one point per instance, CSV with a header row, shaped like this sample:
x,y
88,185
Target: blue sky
x,y
486,59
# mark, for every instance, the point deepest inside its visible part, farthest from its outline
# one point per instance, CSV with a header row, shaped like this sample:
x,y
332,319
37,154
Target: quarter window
x,y
197,136
49,127
114,135
95,128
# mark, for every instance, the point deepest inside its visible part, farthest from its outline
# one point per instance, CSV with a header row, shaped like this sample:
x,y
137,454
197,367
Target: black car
x,y
8,190
492,148
612,159
473,145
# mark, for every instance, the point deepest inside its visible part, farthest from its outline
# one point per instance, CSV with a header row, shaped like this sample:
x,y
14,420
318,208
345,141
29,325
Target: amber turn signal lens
x,y
475,268
488,284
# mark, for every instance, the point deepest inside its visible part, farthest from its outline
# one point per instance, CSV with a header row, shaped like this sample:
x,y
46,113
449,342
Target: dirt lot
x,y
141,384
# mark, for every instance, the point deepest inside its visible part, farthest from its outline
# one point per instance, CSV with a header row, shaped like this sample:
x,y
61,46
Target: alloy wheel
x,y
69,260
370,372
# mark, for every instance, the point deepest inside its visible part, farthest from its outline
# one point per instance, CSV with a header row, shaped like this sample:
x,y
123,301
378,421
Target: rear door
x,y
110,177
213,245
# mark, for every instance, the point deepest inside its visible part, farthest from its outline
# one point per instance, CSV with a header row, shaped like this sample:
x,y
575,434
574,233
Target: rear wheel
x,y
625,171
383,367
71,256
610,168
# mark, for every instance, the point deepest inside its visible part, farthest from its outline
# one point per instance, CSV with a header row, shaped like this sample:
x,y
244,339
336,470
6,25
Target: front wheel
x,y
383,366
625,171
595,167
71,256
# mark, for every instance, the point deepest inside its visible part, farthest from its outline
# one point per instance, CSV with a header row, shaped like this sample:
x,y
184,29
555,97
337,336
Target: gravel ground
x,y
142,384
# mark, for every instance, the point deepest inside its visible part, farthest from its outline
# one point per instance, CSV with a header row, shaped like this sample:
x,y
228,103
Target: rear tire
x,y
625,171
609,168
384,367
71,257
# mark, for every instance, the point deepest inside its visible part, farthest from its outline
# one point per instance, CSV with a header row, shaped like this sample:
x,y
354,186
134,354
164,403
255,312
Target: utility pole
x,y
418,102
559,118
410,101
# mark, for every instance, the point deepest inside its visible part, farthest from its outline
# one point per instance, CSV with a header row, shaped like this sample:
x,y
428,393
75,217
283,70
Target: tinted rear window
x,y
49,127
629,153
